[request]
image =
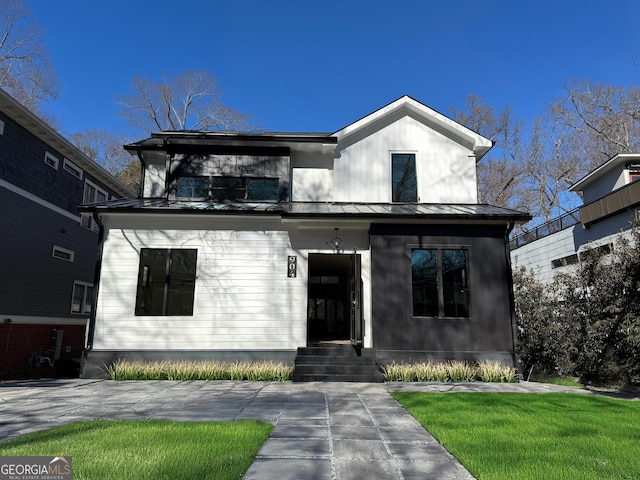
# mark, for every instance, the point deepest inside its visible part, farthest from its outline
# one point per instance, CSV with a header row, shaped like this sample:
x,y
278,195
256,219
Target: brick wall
x,y
19,342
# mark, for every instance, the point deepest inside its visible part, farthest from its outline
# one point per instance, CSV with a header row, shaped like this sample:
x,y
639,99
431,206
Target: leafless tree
x,y
528,169
189,101
25,70
501,172
603,120
103,147
106,149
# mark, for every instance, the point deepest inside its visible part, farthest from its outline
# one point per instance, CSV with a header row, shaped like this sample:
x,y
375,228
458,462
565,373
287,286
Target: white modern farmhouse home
x,y
368,240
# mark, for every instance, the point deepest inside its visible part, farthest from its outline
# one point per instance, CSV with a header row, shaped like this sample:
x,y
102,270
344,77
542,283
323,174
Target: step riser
x,y
339,378
336,363
316,360
336,369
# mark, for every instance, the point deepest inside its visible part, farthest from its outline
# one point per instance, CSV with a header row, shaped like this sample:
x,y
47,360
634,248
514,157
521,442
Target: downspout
x,y
142,175
512,299
96,281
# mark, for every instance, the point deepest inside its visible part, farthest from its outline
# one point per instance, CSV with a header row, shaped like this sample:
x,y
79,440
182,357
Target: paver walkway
x,y
322,431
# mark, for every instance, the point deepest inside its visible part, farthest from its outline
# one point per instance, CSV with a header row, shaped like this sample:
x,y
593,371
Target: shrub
x,y
587,323
202,370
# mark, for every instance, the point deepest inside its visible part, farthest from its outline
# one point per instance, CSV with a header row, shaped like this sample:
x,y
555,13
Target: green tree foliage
x,y
587,322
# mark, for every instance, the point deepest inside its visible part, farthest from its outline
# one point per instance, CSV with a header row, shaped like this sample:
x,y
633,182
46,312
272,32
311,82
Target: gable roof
x,y
406,105
614,162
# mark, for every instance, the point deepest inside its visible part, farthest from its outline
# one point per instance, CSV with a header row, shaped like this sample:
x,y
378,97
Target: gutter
x,y
96,283
512,298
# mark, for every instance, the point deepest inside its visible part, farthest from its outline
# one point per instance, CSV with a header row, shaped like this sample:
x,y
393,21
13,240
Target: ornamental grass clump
x,y
495,371
461,371
198,370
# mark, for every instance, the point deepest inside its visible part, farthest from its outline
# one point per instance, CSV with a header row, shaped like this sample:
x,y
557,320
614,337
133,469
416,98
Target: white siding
x,y
537,256
312,177
243,297
154,180
445,169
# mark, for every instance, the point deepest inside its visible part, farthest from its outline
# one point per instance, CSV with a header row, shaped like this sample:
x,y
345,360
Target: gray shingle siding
x,y
22,164
33,282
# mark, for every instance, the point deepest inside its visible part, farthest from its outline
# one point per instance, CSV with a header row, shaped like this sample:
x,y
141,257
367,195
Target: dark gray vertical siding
x,y
394,327
32,282
258,165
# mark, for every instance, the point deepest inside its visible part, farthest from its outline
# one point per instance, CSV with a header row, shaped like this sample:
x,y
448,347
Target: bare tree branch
x,y
189,101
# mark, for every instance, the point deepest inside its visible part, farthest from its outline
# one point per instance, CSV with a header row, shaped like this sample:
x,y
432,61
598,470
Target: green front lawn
x,y
149,449
527,436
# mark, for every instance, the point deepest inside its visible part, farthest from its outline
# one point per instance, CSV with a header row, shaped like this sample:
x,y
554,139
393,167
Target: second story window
x,y
51,160
72,168
92,193
404,183
220,188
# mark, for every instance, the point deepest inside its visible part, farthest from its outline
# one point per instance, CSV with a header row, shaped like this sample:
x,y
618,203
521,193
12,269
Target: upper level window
x,y
51,160
72,168
92,193
440,282
228,188
62,253
1,127
404,184
166,281
634,172
193,187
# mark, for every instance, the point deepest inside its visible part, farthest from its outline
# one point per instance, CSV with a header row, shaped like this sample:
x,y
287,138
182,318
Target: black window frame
x,y
443,306
404,190
219,187
148,302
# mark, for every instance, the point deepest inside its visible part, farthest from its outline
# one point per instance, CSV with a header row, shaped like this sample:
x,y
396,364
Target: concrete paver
x,y
322,430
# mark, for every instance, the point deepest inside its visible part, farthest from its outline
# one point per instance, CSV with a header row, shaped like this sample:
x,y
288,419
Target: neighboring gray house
x,y
288,245
611,196
47,249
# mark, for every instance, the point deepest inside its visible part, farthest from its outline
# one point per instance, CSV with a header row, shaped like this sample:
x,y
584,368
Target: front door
x,y
330,305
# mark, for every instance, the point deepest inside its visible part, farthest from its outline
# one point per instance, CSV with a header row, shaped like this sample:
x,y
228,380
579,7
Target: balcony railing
x,y
617,201
554,225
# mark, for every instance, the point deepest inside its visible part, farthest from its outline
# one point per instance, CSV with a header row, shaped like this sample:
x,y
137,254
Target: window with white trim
x,y
72,168
51,160
82,297
92,194
63,253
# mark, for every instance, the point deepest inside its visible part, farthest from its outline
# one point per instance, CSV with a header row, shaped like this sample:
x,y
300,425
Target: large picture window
x,y
404,183
221,188
166,281
440,281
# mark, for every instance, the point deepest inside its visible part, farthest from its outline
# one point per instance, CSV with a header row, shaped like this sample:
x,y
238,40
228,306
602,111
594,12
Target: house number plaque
x,y
292,266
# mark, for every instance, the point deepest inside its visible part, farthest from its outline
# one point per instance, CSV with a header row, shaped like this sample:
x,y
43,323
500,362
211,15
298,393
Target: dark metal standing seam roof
x,y
310,210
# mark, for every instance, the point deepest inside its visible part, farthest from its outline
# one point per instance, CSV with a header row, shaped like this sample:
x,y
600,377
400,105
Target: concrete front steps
x,y
336,363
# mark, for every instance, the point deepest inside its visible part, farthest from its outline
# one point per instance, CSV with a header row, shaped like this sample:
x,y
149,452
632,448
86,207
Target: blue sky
x,y
316,66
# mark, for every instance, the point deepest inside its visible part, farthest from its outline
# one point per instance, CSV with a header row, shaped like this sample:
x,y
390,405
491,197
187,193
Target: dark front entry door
x,y
329,313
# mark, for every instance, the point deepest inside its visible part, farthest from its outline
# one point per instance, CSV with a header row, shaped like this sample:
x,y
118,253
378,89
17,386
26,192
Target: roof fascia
x,y
607,166
478,144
